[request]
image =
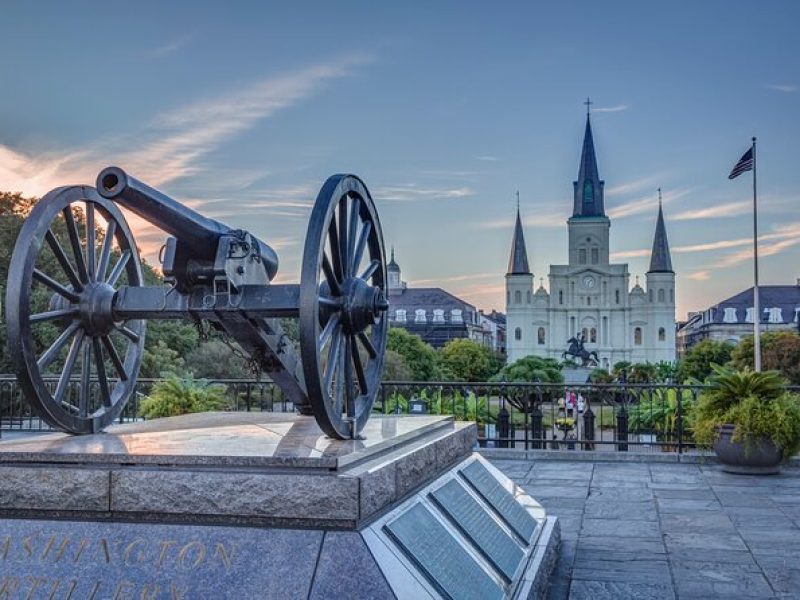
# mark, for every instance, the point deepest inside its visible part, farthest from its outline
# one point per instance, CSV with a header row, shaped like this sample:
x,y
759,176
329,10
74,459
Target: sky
x,y
445,109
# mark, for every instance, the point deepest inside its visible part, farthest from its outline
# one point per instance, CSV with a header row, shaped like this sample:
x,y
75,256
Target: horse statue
x,y
576,349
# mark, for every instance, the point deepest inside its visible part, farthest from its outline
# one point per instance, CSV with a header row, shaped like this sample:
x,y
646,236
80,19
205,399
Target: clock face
x,y
588,281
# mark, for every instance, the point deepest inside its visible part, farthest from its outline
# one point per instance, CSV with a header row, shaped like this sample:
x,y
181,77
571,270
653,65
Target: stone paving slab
x,y
668,530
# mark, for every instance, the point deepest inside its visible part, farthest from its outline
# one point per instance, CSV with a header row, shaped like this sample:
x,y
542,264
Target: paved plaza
x,y
653,530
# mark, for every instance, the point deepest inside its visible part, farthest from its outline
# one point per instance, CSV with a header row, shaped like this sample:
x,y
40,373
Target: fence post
x,y
588,428
536,428
503,426
679,418
622,429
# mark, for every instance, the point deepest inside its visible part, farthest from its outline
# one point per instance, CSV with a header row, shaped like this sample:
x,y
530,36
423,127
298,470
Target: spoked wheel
x,y
76,365
343,306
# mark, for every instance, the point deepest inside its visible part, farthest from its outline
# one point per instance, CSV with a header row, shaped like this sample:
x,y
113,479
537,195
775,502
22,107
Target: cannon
x,y
77,303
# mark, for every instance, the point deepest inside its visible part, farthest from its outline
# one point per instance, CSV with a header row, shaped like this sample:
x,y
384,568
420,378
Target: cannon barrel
x,y
200,234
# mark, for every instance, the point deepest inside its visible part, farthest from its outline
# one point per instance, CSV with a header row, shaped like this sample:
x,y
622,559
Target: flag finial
x,y
659,197
517,200
588,103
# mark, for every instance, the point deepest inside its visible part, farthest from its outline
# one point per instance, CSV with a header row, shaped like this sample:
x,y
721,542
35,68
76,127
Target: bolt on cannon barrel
x,y
198,233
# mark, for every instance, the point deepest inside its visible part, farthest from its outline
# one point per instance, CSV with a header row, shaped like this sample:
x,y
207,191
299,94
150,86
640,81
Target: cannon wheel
x,y
343,306
80,335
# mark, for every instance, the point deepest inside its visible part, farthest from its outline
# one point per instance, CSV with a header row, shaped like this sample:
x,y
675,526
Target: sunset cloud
x,y
728,209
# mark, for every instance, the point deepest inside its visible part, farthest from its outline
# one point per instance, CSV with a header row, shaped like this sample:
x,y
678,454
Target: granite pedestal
x,y
263,505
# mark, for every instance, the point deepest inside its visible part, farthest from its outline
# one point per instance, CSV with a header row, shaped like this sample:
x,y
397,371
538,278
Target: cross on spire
x,y
659,197
588,103
517,200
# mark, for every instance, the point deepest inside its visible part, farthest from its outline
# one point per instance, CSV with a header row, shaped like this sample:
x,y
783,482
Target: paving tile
x,y
704,541
614,494
782,572
632,571
560,505
697,521
745,585
603,545
681,505
682,492
637,511
618,590
538,490
621,528
748,517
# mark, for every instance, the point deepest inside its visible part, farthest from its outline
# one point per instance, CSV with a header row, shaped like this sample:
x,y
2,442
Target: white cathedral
x,y
591,297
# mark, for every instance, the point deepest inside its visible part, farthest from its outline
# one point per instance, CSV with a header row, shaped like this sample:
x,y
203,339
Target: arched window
x,y
582,256
650,293
661,294
419,316
508,297
540,335
572,325
593,335
585,333
438,315
616,295
595,256
518,334
400,315
561,296
529,296
588,300
637,336
456,316
671,295
662,334
518,297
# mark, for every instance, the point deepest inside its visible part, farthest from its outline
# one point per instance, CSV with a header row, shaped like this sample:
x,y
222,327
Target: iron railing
x,y
529,416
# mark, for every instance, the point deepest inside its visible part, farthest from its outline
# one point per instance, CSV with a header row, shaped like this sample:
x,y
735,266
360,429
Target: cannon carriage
x,y
77,303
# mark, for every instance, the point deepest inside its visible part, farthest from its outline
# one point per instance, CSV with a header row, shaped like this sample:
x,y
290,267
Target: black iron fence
x,y
611,417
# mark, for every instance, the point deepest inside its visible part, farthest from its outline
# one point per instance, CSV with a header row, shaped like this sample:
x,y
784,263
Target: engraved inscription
x,y
446,564
512,512
480,527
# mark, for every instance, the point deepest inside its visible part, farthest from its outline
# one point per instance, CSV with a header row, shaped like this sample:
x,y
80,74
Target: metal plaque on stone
x,y
480,527
501,500
443,560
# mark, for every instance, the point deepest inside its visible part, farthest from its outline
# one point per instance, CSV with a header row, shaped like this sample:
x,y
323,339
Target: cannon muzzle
x,y
199,234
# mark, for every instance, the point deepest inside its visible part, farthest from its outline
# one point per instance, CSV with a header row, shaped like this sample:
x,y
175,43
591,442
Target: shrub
x,y
757,404
174,396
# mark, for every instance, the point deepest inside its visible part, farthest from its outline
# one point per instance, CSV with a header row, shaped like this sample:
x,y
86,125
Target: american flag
x,y
745,164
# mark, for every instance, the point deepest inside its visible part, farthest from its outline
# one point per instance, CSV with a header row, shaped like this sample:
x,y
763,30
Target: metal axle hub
x,y
95,309
362,305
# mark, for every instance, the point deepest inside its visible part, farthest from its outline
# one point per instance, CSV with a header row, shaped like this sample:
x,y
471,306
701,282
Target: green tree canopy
x,y
419,356
780,351
529,369
696,364
466,360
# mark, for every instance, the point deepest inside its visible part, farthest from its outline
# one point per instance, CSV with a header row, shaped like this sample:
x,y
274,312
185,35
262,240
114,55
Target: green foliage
x,y
619,367
531,369
418,356
395,367
215,360
466,360
780,351
659,412
757,404
698,360
174,396
600,376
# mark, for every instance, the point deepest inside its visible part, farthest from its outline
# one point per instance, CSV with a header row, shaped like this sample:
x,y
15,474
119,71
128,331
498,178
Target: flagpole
x,y
756,306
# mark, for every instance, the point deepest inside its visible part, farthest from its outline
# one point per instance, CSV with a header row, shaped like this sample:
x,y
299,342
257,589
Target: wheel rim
x,y
63,278
343,306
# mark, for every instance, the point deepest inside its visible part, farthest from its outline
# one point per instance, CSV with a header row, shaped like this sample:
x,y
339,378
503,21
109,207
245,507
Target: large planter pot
x,y
759,457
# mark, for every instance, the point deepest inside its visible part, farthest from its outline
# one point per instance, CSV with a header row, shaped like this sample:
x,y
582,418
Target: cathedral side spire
x,y
518,261
588,188
660,260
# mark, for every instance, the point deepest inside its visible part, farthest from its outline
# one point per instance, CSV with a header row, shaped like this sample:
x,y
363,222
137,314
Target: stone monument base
x,y
263,505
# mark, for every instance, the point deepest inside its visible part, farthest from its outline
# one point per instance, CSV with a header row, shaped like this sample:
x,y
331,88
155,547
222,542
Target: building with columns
x,y
590,296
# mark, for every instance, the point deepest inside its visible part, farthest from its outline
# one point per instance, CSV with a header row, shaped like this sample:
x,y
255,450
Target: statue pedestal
x,y
261,505
576,375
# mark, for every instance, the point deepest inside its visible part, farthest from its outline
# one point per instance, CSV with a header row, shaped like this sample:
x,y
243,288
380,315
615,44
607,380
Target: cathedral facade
x,y
589,298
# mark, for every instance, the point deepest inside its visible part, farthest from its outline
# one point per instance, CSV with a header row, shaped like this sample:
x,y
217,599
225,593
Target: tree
x,y
419,356
215,360
174,396
466,360
395,367
531,369
780,351
696,364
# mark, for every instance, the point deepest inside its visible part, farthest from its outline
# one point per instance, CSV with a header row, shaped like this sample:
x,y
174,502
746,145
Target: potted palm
x,y
749,419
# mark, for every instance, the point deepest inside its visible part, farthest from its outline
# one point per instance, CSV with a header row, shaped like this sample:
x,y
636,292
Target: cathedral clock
x,y
588,282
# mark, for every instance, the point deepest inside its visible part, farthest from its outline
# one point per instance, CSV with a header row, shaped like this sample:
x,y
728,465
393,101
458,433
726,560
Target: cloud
x,y
172,46
173,145
610,109
700,275
411,192
454,278
488,158
729,209
539,220
629,254
631,187
783,87
646,204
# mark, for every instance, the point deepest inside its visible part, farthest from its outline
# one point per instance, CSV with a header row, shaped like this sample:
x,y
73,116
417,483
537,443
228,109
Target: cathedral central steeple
x,y
588,188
